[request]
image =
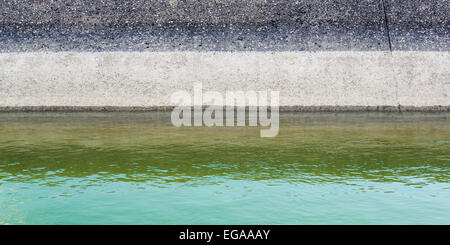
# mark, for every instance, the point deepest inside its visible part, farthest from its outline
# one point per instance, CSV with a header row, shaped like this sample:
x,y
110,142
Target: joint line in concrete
x,y
386,22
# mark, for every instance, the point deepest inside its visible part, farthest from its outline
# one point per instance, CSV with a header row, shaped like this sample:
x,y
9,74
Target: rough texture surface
x,y
224,25
148,79
419,25
81,54
203,25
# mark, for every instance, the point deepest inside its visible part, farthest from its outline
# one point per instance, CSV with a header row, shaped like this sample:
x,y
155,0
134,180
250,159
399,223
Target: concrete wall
x,y
149,78
360,53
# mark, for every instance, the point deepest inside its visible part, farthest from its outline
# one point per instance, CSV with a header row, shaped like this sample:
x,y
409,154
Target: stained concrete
x,y
336,109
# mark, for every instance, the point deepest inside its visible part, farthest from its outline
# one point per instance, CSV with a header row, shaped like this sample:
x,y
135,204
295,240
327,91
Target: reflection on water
x,y
125,168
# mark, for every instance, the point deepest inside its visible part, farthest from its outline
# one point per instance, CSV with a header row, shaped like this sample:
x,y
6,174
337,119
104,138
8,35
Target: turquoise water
x,y
135,168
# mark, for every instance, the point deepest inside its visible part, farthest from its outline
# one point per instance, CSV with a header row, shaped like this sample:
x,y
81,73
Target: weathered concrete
x,y
192,25
224,25
147,79
419,25
321,55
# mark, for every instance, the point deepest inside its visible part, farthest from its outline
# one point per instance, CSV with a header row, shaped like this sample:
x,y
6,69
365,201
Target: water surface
x,y
136,168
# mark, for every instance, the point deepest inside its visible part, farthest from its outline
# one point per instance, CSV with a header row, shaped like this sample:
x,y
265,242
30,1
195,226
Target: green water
x,y
135,168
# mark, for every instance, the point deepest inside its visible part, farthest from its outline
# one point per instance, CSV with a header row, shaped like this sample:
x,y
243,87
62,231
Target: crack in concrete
x,y
386,22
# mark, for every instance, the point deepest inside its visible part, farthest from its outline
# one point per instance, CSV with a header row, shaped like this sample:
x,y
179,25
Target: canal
x,y
136,168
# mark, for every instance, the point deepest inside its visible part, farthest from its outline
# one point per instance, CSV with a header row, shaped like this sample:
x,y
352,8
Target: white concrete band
x,y
148,79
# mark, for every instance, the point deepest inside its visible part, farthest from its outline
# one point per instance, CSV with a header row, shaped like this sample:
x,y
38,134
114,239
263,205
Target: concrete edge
x,y
330,108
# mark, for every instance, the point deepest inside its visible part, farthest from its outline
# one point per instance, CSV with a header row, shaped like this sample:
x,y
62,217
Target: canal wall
x,y
320,55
